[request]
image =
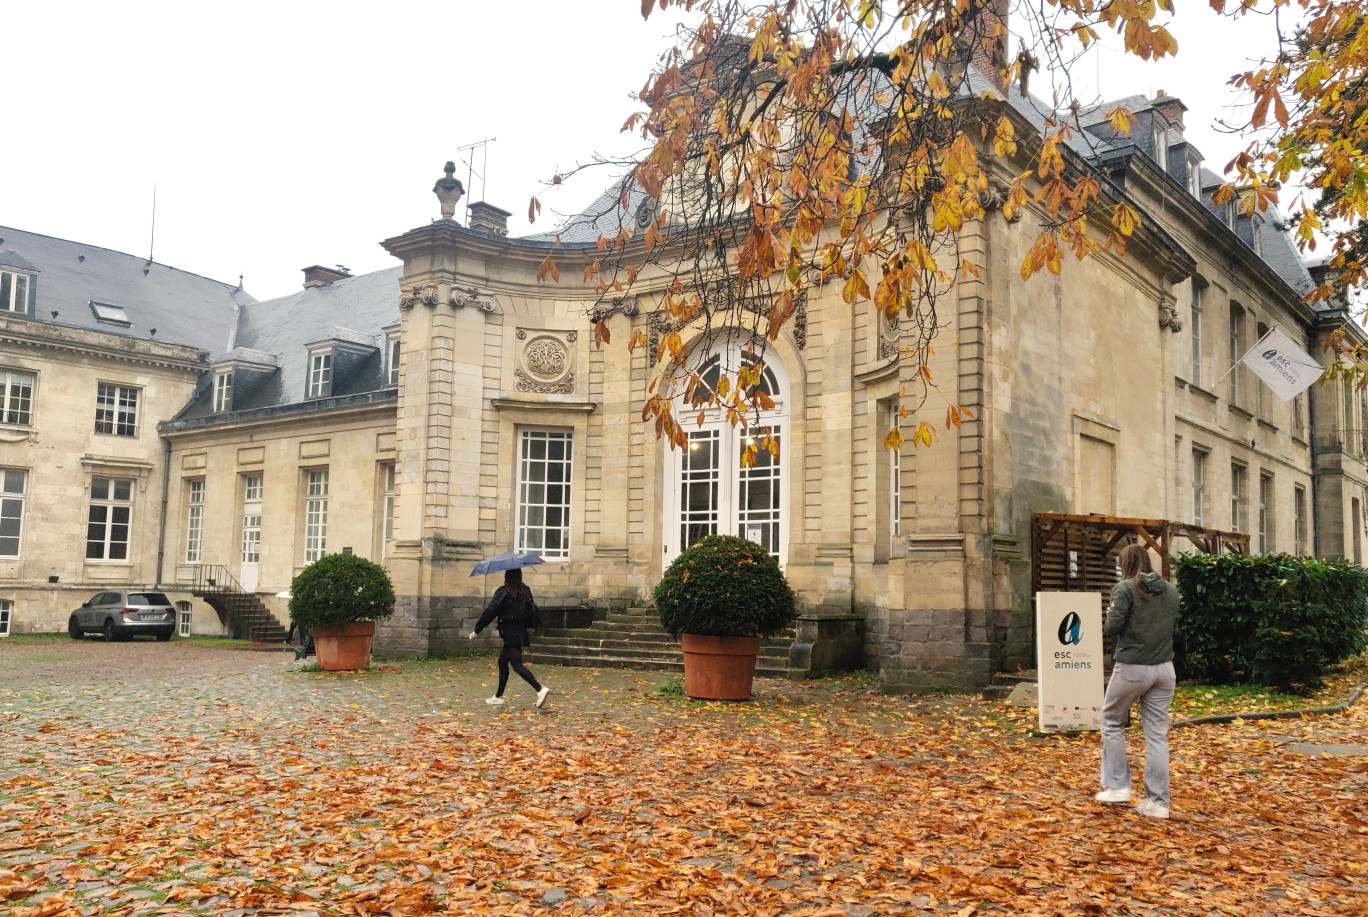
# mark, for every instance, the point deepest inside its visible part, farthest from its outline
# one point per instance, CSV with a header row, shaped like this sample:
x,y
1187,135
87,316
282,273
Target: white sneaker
x,y
541,695
1152,808
1117,797
494,701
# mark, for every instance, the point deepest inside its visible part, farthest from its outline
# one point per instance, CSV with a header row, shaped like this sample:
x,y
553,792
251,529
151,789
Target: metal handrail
x,y
216,578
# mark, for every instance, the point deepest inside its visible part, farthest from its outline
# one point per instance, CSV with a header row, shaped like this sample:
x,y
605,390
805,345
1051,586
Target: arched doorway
x,y
707,491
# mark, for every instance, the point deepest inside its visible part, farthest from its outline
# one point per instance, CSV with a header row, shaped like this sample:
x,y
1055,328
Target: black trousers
x,y
511,657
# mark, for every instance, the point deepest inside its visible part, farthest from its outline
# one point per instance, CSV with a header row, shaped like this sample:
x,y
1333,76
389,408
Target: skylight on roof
x,y
109,314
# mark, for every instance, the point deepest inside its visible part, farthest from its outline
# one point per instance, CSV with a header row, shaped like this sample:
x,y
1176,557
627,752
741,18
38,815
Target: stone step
x,y
675,664
572,646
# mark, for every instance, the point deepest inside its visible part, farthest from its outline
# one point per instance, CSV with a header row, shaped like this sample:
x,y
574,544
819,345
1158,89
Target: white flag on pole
x,y
1282,365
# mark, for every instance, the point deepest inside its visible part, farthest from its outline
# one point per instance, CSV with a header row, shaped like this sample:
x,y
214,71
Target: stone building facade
x,y
454,407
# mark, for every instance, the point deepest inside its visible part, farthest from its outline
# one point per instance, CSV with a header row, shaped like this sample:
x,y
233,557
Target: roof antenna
x,y
152,244
470,173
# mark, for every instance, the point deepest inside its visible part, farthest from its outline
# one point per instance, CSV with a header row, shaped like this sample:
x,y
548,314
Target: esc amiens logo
x,y
1070,629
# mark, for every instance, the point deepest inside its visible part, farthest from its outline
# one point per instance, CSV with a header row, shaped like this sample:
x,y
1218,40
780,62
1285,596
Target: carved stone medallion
x,y
545,364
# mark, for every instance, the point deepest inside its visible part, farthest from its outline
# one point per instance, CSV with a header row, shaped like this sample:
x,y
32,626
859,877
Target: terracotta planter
x,y
345,647
719,668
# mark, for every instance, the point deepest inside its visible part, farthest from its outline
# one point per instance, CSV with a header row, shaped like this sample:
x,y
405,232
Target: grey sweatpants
x,y
1153,686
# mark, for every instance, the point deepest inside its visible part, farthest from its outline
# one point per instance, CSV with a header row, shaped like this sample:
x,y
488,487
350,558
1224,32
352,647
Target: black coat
x,y
514,614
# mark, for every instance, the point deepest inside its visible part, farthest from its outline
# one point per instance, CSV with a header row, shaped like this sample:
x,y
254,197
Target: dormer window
x,y
1194,177
14,292
392,359
223,391
1255,225
110,314
1159,143
320,374
1232,213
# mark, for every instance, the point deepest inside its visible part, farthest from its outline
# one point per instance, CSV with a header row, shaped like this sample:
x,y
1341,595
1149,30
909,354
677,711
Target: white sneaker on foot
x,y
1152,808
541,695
1116,797
495,700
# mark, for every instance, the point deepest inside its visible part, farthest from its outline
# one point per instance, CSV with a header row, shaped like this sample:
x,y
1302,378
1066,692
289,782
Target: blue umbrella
x,y
501,562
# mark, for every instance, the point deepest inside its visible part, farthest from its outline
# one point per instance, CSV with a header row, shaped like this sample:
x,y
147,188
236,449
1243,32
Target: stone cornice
x,y
379,401
67,339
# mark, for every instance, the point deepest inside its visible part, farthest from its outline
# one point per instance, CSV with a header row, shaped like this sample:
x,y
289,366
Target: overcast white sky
x,y
285,134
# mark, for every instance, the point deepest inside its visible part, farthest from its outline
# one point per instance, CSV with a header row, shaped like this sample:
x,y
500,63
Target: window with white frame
x,y
251,519
194,523
1299,520
6,612
223,391
1237,497
116,410
320,374
1195,177
1198,486
1265,513
391,479
1195,329
184,616
392,356
316,515
13,485
1159,143
14,292
110,519
1231,212
16,397
545,461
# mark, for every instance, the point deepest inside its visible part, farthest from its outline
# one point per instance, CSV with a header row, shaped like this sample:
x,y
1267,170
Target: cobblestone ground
x,y
144,778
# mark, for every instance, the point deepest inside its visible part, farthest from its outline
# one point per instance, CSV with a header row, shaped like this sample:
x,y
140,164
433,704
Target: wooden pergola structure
x,y
1080,553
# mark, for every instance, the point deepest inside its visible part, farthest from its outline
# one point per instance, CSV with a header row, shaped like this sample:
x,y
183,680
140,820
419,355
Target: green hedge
x,y
1269,619
724,586
340,589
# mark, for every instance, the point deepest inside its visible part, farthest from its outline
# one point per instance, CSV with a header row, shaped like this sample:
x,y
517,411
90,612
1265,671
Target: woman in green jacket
x,y
1140,620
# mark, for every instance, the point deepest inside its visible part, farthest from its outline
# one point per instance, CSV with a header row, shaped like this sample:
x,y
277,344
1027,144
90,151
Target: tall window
x,y
1262,395
14,292
223,391
1198,486
1237,497
894,477
1298,418
391,497
544,464
316,516
16,397
6,610
194,523
251,519
116,410
1265,513
184,615
320,374
1236,350
1195,178
1299,515
111,517
1159,143
1195,326
393,357
13,484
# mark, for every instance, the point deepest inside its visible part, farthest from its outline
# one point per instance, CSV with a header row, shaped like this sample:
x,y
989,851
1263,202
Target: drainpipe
x,y
161,528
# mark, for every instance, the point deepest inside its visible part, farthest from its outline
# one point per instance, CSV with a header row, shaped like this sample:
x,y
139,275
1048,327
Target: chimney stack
x,y
986,29
1171,107
488,219
316,275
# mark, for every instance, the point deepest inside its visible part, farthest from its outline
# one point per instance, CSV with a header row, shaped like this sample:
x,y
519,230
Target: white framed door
x,y
707,489
250,558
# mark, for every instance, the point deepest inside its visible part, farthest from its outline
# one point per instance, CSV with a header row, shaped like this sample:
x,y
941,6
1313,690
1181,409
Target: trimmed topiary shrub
x,y
724,586
1269,619
340,589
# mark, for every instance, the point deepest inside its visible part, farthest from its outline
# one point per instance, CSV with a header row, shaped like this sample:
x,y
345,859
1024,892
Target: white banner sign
x,y
1069,661
1282,365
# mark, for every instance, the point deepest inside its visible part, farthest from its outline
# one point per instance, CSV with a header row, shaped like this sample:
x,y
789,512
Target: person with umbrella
x,y
512,606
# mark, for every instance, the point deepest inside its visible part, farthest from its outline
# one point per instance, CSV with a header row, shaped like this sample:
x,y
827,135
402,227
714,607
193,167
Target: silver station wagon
x,y
120,615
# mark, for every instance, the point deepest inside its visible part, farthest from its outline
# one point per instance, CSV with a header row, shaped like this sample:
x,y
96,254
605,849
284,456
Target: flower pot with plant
x,y
340,597
719,598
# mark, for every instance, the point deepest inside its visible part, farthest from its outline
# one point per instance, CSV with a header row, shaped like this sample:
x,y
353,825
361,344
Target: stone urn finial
x,y
449,191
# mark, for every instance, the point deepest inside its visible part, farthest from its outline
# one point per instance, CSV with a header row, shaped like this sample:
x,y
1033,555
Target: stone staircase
x,y
1003,683
634,639
245,615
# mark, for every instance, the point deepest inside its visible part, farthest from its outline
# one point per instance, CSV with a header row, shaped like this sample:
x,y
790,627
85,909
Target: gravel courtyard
x,y
144,778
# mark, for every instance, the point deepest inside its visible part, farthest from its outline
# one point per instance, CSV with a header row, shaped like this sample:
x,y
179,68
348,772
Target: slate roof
x,y
354,310
184,308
